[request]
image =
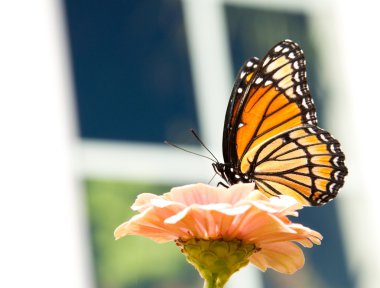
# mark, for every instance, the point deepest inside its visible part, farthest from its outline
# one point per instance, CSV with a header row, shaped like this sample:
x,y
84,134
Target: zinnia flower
x,y
220,230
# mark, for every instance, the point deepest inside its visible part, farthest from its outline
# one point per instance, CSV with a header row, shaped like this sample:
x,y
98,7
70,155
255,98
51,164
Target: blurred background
x,y
91,89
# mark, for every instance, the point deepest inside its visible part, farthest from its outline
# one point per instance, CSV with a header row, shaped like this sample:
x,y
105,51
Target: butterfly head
x,y
229,173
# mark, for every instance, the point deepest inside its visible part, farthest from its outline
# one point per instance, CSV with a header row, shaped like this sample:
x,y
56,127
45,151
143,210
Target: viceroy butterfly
x,y
271,135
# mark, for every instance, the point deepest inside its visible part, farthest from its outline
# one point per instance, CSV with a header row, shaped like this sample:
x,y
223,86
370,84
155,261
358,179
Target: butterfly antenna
x,y
200,142
188,151
211,179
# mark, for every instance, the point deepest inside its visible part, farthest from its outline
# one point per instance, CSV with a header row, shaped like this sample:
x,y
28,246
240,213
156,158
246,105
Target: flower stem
x,y
208,285
212,283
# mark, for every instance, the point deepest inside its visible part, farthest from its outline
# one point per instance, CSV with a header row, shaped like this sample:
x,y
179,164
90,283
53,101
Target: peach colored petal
x,y
191,194
284,257
150,223
242,191
311,236
200,222
143,201
204,194
239,212
147,200
281,205
143,224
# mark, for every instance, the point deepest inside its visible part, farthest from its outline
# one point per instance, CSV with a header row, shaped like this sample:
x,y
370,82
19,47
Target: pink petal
x,y
204,194
194,194
284,257
239,212
143,201
255,225
149,223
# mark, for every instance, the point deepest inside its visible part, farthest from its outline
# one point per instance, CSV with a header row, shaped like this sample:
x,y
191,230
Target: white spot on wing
x,y
297,77
296,65
291,55
304,104
242,75
285,50
331,188
332,148
278,48
249,64
298,90
336,175
268,82
312,130
241,125
240,90
259,80
324,138
335,161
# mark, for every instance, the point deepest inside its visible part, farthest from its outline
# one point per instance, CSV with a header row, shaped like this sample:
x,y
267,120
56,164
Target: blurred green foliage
x,y
132,261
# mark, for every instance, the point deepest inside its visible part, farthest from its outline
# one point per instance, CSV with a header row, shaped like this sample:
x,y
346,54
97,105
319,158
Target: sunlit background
x,y
91,89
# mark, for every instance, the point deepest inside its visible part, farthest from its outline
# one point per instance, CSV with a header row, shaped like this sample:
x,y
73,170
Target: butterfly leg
x,y
222,184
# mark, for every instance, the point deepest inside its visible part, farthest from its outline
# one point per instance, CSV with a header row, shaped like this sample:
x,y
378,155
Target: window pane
x,y
131,70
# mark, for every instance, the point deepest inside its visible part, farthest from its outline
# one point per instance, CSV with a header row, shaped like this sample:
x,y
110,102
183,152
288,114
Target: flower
x,y
222,229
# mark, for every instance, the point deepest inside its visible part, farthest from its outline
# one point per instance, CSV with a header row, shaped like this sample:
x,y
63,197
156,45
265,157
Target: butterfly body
x,y
271,136
231,173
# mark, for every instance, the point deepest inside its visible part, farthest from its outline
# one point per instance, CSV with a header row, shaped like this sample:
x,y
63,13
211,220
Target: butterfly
x,y
271,136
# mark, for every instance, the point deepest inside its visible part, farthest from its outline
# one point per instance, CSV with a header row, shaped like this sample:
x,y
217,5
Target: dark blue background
x,y
131,70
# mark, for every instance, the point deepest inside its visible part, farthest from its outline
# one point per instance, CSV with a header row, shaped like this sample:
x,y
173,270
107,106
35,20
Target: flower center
x,y
216,260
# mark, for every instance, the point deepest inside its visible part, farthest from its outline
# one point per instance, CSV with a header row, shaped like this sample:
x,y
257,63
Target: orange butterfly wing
x,y
305,162
275,99
242,82
271,135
